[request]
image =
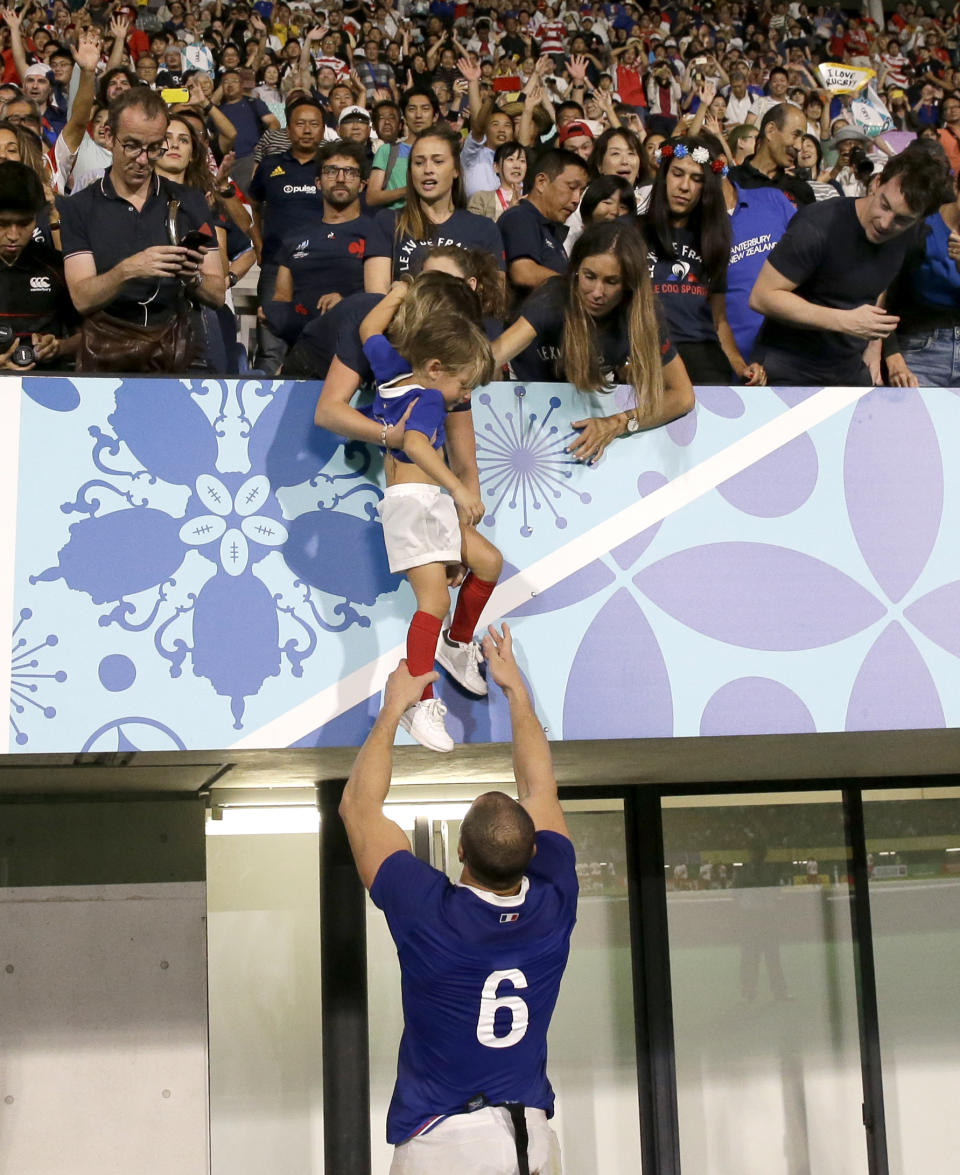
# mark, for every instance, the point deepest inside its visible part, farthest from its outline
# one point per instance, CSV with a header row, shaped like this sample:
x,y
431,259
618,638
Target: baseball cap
x,y
574,130
37,70
353,112
846,133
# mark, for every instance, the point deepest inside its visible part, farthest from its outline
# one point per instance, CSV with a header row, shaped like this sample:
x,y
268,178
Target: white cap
x,y
354,112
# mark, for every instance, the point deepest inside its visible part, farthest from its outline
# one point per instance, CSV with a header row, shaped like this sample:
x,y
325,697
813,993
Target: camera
x,y
860,163
24,355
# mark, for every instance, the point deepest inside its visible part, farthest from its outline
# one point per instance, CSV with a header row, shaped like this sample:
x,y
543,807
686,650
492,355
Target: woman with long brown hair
x,y
433,213
596,327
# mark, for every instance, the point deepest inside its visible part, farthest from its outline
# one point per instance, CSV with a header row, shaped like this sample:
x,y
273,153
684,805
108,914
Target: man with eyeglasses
x,y
116,242
325,265
286,208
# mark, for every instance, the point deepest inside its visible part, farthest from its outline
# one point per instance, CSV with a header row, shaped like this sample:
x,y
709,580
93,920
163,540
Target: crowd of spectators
x,y
657,196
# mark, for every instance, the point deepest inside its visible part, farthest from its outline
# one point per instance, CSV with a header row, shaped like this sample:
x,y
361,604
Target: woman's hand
x,y
754,375
45,347
899,374
595,435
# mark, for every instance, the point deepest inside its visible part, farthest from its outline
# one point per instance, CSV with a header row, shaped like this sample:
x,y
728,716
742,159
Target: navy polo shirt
x,y
98,221
462,228
291,203
528,234
328,260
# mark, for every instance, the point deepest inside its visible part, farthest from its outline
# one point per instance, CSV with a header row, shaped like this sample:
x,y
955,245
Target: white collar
x,y
496,899
389,392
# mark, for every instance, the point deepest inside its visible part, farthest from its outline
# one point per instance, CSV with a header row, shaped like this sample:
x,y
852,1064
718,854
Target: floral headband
x,y
699,155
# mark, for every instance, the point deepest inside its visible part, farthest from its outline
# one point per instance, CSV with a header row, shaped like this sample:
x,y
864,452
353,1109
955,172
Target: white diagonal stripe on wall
x,y
336,699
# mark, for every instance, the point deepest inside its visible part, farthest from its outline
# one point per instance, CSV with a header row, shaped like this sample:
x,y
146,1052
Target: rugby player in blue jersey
x,y
480,960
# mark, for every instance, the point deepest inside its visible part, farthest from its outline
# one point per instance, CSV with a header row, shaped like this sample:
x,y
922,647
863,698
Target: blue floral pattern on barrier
x,y
209,565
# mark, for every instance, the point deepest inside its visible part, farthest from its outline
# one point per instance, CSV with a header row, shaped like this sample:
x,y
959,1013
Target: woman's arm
x,y
752,374
377,272
515,338
462,449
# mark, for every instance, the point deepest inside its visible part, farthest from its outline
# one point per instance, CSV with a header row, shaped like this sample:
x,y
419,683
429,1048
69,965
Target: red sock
x,y
422,637
473,597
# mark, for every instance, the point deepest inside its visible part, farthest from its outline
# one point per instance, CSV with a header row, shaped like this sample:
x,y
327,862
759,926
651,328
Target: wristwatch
x,y
232,279
633,425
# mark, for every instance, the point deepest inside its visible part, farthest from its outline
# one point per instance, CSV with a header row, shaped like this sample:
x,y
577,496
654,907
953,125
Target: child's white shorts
x,y
420,526
480,1143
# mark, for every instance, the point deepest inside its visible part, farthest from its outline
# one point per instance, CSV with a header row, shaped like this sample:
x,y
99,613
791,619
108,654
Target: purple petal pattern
x,y
721,400
893,477
618,685
682,431
894,689
629,552
759,596
937,615
755,705
777,484
583,583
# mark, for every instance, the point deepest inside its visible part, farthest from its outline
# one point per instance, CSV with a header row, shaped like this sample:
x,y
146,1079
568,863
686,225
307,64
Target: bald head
x,y
497,840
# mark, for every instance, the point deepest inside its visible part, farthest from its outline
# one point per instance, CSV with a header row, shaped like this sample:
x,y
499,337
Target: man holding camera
x,y
135,249
37,320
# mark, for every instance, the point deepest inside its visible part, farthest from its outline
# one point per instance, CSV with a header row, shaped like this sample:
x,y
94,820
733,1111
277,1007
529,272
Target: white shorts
x,y
420,526
480,1143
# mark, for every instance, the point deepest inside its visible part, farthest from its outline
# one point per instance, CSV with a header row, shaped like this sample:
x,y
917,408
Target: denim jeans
x,y
933,356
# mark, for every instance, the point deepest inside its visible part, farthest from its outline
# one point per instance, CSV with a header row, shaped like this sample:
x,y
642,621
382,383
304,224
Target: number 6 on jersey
x,y
490,1003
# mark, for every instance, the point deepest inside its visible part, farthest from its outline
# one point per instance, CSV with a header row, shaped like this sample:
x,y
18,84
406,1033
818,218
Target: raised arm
x,y
373,836
119,28
532,764
16,41
479,110
87,57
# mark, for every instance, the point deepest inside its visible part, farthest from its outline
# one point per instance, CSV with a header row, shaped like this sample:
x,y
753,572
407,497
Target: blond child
x,y
429,514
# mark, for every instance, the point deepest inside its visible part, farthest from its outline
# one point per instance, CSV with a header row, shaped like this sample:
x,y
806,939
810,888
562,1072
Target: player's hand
x,y
403,690
754,375
470,507
501,663
328,301
595,435
899,374
868,322
45,346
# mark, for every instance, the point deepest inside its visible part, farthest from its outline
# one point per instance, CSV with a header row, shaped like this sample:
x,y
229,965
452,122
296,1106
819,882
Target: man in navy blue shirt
x,y
534,230
286,206
250,118
321,268
481,960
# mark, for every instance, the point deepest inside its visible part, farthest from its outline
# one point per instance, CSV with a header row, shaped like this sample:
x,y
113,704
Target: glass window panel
x,y
764,1001
592,1063
913,847
263,942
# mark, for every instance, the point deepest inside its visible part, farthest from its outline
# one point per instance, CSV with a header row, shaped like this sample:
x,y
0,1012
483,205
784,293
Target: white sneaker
x,y
462,662
424,721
